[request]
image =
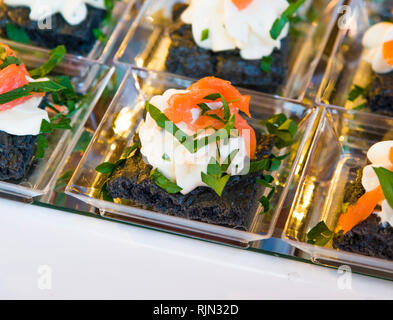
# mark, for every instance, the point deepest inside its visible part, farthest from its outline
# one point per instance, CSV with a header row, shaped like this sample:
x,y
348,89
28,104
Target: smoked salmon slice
x,y
180,108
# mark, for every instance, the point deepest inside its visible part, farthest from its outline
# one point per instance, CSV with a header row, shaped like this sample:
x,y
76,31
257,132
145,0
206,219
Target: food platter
x,y
316,109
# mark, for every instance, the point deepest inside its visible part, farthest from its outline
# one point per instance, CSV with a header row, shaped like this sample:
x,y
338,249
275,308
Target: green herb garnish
x,y
266,64
214,177
166,157
42,145
204,34
215,96
265,200
108,168
164,183
283,128
286,16
16,34
28,89
100,35
9,60
187,141
319,235
56,56
256,166
204,107
385,178
164,123
357,92
227,162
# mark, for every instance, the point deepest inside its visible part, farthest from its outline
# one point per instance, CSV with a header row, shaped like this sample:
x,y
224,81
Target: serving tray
x,y
124,80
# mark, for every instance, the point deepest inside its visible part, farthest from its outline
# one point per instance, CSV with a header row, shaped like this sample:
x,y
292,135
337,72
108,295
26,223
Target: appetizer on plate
x,y
377,96
366,223
73,23
196,156
31,107
243,41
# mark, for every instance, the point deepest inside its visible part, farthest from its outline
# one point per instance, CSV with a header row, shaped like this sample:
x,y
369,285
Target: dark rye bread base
x,y
16,156
78,39
370,237
187,59
380,97
235,208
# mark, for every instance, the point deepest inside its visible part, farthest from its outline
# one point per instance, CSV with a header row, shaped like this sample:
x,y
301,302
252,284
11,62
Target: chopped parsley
x,y
100,35
215,178
266,64
204,34
215,96
163,182
204,107
385,178
283,128
16,34
286,16
97,32
56,56
9,61
108,168
266,182
28,89
358,91
191,144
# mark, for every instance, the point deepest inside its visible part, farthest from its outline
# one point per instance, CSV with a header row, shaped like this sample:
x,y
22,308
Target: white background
x,y
91,258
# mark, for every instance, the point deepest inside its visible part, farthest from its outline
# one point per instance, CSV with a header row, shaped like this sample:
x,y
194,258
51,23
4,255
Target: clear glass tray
x,y
123,12
89,78
340,146
118,127
146,44
346,66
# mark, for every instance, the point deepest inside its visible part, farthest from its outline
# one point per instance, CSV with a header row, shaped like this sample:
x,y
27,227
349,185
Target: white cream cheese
x,y
378,155
373,41
73,11
163,151
24,119
230,28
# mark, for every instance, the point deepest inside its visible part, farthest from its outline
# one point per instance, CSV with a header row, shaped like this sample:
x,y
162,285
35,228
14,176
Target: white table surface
x,y
90,258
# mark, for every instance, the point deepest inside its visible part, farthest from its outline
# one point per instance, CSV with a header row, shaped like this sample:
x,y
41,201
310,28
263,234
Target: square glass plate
x,y
147,42
119,126
339,148
89,78
123,12
346,66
